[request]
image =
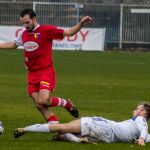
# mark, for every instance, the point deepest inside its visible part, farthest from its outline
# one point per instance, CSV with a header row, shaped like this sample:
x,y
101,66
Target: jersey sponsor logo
x,y
31,46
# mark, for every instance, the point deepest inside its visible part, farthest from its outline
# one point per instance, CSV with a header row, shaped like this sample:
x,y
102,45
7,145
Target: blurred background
x,y
127,22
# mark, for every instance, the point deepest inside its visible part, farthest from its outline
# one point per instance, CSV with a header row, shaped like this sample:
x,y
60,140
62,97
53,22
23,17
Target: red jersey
x,y
38,46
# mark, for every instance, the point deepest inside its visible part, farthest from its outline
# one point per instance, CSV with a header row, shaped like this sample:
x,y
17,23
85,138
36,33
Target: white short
x,y
97,128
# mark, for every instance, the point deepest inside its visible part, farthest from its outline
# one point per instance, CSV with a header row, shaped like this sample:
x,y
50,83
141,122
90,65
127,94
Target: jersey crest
x,y
36,35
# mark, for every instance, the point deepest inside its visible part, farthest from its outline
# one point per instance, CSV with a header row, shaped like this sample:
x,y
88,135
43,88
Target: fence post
x,y
121,25
77,7
34,5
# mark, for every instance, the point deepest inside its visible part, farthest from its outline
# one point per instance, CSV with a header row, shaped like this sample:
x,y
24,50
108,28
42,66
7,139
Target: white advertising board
x,y
85,39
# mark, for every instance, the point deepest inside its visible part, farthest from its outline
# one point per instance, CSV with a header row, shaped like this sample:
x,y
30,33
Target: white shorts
x,y
97,128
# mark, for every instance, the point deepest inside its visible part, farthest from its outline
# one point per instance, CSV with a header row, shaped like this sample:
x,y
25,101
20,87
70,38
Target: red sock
x,y
54,101
58,102
52,118
68,105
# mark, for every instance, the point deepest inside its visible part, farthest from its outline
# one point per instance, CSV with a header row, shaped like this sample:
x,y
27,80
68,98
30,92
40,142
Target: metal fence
x,y
135,24
126,25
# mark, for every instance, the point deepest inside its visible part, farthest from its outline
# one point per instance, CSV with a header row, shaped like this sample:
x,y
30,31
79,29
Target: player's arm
x,y
14,44
147,140
8,45
143,128
73,138
73,30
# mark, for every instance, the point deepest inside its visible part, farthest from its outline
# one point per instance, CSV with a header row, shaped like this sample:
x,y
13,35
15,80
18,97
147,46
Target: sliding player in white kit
x,y
98,129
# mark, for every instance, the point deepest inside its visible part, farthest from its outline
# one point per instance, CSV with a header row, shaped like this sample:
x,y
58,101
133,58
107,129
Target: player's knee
x,y
43,101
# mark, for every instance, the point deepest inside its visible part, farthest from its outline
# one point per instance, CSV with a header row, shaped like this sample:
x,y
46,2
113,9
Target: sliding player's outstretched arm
x,y
8,45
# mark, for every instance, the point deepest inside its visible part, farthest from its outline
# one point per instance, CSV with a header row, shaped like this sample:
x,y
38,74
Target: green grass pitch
x,y
107,84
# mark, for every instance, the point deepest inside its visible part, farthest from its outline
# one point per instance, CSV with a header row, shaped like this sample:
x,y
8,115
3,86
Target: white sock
x,y
38,128
70,137
53,122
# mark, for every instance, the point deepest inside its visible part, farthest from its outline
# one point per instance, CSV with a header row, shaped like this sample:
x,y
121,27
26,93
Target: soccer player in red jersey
x,y
37,41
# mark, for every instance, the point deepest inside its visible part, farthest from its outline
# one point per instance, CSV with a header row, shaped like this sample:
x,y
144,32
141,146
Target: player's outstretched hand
x,y
140,141
85,20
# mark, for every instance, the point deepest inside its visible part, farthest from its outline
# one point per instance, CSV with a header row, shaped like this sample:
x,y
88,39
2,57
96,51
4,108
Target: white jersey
x,y
110,131
130,130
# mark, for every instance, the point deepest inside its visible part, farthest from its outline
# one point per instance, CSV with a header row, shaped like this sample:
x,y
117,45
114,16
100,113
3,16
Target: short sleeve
x,y
147,138
54,32
18,39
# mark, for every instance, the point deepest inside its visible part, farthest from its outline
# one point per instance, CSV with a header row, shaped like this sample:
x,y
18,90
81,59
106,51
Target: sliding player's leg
x,y
71,127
